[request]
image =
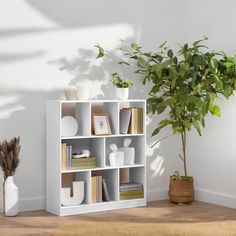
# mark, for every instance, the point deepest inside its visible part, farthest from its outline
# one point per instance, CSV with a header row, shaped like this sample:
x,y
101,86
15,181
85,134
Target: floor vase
x,y
11,197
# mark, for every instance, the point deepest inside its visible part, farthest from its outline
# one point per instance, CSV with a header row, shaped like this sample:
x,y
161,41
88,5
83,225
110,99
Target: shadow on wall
x,y
25,115
79,13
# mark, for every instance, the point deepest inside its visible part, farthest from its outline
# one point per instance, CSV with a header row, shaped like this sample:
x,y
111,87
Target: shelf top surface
x,y
100,136
97,101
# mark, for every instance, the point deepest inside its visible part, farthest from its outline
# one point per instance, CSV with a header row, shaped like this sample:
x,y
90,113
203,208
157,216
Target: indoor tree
x,y
185,85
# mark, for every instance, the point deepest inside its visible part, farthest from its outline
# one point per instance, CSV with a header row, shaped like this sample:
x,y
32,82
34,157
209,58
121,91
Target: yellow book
x,y
94,189
63,156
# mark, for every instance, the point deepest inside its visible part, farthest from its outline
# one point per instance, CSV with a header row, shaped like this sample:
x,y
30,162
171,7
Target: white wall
x,y
37,34
213,156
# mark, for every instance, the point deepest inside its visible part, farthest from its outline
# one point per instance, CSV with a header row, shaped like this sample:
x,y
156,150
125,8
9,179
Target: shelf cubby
x,y
82,113
68,178
111,108
136,141
94,145
112,181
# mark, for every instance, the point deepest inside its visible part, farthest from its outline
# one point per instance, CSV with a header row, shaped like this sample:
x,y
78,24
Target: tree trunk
x,y
183,138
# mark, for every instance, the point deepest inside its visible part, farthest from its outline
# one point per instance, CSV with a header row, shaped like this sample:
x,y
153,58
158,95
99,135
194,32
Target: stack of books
x,y
131,120
66,156
83,163
131,191
99,189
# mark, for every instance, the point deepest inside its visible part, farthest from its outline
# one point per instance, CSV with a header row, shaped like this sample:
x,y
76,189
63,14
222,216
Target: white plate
x,y
69,126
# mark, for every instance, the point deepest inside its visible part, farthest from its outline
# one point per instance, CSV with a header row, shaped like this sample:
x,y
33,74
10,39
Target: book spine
x,y
132,197
105,191
132,192
63,156
94,189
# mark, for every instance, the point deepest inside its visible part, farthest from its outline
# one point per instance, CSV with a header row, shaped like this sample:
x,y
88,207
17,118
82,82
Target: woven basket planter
x,y
181,191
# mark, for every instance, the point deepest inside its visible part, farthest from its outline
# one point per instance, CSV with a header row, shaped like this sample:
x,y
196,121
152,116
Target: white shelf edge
x,y
97,101
103,168
101,136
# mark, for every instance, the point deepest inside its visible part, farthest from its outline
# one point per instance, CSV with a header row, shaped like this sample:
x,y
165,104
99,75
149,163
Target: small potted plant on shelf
x,y
122,86
9,161
185,87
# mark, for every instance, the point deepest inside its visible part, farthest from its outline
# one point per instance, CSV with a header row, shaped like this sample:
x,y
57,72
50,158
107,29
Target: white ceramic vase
x,y
122,93
78,194
82,91
11,197
70,92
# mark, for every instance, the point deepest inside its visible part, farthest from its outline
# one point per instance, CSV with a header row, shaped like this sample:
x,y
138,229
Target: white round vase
x,y
11,197
122,93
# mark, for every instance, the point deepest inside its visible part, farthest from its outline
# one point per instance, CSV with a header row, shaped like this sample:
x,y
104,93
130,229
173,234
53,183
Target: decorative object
x,y
9,161
116,157
78,194
69,126
82,154
11,197
122,86
181,190
82,91
70,92
101,125
186,85
129,152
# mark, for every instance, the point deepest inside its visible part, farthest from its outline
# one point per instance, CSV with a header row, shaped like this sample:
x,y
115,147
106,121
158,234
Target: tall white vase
x,y
11,197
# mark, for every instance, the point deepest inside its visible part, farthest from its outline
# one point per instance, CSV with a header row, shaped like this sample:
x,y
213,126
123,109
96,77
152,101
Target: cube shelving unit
x,y
99,147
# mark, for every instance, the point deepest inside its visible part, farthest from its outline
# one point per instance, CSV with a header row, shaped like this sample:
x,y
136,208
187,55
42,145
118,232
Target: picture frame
x,y
101,125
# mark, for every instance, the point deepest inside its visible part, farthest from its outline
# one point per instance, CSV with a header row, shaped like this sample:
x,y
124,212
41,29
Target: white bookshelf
x,y
99,147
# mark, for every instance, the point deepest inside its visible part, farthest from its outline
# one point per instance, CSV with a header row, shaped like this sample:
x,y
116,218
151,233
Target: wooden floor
x,y
41,222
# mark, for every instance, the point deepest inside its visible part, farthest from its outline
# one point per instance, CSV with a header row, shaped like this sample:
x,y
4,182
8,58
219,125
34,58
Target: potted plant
x,y
185,88
122,84
9,161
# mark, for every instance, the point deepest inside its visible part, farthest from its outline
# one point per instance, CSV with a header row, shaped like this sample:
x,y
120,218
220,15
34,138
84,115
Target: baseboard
x,y
217,198
154,195
29,204
222,199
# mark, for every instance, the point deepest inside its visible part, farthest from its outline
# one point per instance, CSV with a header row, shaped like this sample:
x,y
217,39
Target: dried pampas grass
x,y
9,156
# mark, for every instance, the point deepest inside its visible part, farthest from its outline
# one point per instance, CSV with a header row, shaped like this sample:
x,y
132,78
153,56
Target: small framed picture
x,y
101,124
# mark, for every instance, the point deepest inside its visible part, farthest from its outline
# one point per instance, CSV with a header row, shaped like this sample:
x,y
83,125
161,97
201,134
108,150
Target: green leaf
x,y
217,80
215,110
101,51
199,60
164,123
163,44
197,127
160,108
170,53
213,65
169,101
134,46
156,131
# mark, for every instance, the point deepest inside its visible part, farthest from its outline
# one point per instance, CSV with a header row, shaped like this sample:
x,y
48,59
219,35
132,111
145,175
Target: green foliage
x,y
185,84
118,82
